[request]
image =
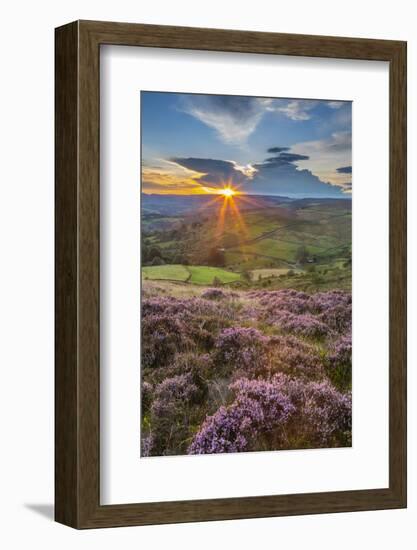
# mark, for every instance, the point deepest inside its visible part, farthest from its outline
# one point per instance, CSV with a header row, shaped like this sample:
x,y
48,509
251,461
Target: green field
x,y
203,275
199,275
166,272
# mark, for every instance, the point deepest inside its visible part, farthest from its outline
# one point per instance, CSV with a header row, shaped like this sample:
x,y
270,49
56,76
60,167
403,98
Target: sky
x,y
199,144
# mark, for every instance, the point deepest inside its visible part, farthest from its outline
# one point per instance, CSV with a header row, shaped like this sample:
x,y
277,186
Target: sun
x,y
227,192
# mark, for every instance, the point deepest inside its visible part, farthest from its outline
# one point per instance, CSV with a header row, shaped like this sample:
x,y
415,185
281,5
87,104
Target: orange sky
x,y
167,182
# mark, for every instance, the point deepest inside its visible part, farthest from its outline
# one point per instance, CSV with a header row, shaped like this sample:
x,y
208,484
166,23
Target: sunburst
x,y
227,192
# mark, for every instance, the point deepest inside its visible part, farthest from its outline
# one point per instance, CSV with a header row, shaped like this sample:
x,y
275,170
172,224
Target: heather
x,y
244,371
281,413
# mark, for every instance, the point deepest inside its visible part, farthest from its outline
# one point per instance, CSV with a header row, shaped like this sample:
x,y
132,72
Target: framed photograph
x,y
230,274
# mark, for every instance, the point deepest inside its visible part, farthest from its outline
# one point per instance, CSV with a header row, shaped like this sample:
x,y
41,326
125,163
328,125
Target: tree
x,y
153,252
301,255
246,275
145,253
215,257
157,260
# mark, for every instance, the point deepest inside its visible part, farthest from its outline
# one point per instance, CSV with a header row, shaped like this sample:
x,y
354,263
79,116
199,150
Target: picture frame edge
x,y
77,381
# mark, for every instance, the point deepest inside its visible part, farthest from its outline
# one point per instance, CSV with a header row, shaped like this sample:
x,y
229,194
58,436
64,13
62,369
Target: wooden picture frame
x,y
77,405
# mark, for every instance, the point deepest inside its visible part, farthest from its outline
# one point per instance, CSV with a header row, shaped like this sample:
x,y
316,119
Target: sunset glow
x,y
227,192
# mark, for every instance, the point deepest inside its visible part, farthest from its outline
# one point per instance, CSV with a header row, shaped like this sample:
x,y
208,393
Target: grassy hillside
x,y
299,236
199,275
203,275
166,272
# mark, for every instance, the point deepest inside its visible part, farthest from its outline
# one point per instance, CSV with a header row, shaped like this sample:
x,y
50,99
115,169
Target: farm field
x,y
204,275
167,272
200,275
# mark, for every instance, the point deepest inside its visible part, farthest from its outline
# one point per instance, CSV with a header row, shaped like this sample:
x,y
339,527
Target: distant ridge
x,y
174,205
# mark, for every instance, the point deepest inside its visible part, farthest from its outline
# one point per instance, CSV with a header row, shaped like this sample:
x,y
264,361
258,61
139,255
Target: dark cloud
x,y
215,171
283,158
292,157
273,161
278,175
344,170
285,178
277,149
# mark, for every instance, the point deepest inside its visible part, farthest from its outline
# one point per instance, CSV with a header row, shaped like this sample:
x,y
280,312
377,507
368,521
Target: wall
x,y
26,289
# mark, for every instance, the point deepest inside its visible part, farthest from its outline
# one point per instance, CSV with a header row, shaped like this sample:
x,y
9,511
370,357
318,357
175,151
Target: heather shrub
x,y
162,337
305,324
189,309
196,363
309,315
170,416
146,396
282,300
335,309
322,301
282,413
323,415
291,355
147,445
241,349
176,388
339,362
211,383
213,294
171,325
198,366
338,318
169,305
258,408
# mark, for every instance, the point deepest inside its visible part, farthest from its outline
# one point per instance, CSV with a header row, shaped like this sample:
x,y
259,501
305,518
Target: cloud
x,y
288,180
340,141
277,149
163,176
326,155
335,104
214,171
344,170
284,173
281,175
291,157
234,118
283,158
299,109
